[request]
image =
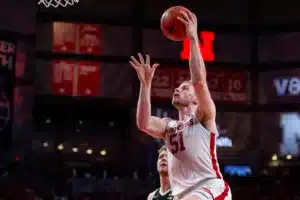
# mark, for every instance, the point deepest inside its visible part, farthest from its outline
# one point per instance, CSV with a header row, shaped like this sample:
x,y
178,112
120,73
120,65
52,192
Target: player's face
x,y
184,95
162,163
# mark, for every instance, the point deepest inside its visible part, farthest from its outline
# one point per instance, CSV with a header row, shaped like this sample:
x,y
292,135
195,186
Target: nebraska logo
x,y
206,40
287,86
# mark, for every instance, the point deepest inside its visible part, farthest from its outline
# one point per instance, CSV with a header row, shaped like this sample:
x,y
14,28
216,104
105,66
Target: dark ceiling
x,y
213,11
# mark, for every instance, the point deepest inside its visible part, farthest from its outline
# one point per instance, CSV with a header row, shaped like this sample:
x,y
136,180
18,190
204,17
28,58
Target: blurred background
x,y
68,96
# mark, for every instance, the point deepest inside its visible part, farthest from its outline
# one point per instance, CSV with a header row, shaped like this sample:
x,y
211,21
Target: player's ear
x,y
195,100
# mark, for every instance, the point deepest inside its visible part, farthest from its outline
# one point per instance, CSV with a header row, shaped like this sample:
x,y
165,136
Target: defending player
x,y
191,141
164,191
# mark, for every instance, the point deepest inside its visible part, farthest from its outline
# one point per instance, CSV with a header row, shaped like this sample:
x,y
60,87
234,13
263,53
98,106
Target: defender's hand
x,y
143,68
191,24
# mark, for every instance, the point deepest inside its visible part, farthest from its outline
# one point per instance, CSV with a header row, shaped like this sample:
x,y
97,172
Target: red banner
x,y
89,39
224,85
64,37
63,77
75,78
89,79
163,83
228,85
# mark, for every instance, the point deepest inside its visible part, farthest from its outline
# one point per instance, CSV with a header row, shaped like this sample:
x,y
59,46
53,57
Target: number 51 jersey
x,y
191,154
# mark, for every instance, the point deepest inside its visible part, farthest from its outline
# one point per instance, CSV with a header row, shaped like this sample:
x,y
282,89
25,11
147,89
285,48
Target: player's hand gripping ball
x,y
173,28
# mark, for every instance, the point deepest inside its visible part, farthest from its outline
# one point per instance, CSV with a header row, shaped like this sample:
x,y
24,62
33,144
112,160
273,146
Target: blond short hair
x,y
163,148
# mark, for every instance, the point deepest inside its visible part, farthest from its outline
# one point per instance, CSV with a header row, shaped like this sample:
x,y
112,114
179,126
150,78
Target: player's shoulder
x,y
151,195
171,124
167,119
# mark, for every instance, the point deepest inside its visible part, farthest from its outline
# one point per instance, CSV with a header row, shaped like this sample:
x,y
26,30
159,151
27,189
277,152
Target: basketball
x,y
171,26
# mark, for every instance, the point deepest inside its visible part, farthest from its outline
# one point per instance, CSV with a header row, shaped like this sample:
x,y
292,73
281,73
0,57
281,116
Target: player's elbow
x,y
142,125
147,129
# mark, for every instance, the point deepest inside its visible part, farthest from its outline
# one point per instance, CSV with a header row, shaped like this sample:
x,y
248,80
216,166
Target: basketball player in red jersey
x,y
192,163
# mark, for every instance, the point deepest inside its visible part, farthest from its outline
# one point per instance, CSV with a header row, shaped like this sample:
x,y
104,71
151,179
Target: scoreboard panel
x,y
231,86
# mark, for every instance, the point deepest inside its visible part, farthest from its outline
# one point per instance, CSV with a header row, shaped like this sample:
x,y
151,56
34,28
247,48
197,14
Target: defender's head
x,y
184,95
162,161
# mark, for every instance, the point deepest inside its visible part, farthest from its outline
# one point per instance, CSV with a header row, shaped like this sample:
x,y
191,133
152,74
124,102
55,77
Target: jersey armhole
x,y
167,129
207,132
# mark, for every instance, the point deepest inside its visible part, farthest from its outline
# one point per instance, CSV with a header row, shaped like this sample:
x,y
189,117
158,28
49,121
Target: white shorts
x,y
214,189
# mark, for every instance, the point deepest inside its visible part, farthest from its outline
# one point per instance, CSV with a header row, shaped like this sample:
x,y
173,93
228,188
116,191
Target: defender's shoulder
x,y
151,195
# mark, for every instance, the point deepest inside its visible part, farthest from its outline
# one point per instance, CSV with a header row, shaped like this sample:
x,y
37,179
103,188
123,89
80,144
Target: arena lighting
x,y
48,121
89,151
289,157
274,157
60,147
17,158
74,149
103,152
45,144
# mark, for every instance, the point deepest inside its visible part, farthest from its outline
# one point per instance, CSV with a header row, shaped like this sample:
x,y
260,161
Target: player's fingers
x,y
155,66
182,20
135,61
194,18
147,59
141,58
185,15
133,65
190,15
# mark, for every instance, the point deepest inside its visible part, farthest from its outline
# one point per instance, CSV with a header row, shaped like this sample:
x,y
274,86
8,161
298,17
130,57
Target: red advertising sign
x,y
89,79
89,38
163,83
64,37
228,85
63,77
20,60
224,85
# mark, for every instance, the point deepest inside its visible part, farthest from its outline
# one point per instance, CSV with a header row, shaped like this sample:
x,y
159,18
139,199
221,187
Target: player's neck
x,y
184,112
164,183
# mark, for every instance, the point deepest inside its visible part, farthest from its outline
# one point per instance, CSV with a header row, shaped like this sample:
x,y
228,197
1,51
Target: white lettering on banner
x,y
89,40
287,86
6,51
213,83
161,81
234,85
85,69
220,96
3,60
89,28
63,32
290,124
63,71
7,47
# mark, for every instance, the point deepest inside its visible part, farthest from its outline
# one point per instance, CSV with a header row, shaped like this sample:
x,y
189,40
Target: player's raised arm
x,y
207,108
151,125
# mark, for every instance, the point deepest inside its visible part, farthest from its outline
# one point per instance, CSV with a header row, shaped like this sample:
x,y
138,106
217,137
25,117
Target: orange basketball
x,y
171,26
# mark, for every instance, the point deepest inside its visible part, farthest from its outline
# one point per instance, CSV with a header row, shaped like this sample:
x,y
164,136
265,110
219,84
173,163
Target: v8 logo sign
x,y
287,86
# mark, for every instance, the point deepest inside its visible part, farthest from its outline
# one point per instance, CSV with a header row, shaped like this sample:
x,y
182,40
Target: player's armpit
x,y
156,127
210,125
206,109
